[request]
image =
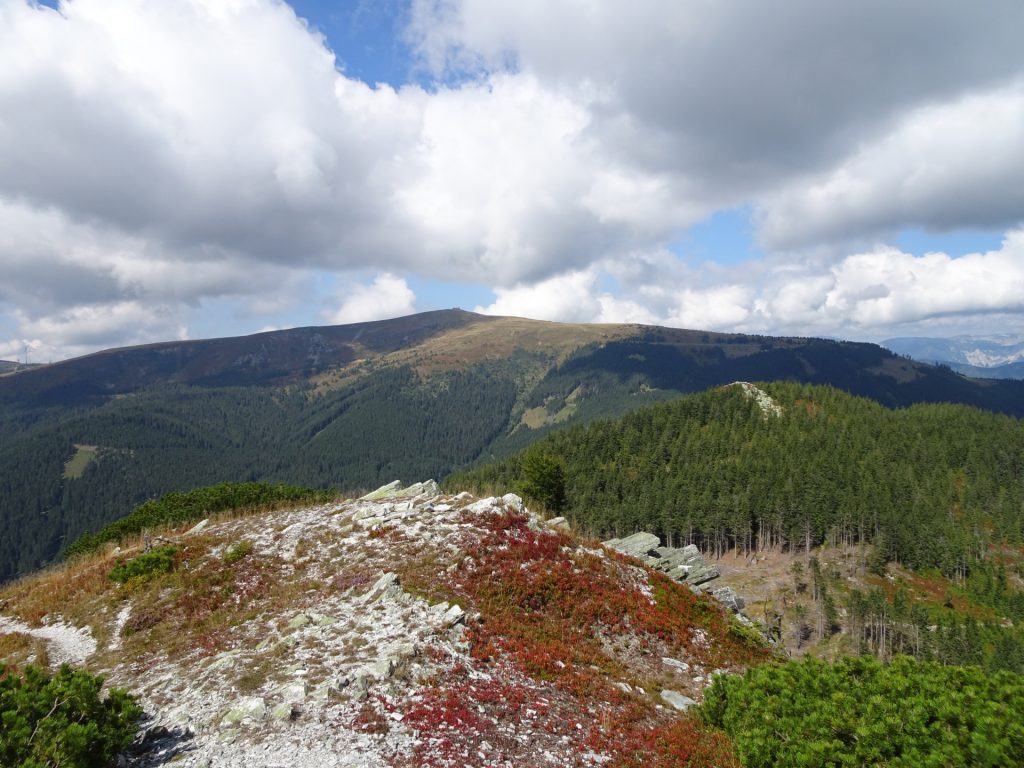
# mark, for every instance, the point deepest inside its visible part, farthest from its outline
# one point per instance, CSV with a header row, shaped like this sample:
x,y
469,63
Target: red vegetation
x,y
549,608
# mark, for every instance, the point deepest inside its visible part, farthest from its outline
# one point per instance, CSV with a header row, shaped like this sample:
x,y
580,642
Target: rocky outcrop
x,y
685,565
367,632
727,596
764,401
638,545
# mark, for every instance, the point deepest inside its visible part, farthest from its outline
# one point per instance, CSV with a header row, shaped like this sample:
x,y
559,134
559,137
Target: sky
x,y
203,168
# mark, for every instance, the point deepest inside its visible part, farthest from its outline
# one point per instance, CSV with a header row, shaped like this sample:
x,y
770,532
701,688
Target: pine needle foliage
x,y
62,720
859,712
930,486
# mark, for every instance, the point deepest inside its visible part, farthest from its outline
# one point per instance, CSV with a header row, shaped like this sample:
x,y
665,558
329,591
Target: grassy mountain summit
x,y
84,441
8,367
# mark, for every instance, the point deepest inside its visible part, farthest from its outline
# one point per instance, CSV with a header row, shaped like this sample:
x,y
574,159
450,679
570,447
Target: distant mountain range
x,y
998,356
83,441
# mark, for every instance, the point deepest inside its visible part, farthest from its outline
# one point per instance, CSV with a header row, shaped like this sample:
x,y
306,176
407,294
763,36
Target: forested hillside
x,y
903,528
928,485
84,441
185,437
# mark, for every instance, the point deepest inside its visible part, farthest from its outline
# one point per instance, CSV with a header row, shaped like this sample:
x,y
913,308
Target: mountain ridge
x,y
84,441
407,627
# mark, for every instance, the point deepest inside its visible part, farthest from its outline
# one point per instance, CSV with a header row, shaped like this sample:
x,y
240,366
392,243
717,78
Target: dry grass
x,y
491,338
202,602
17,650
68,590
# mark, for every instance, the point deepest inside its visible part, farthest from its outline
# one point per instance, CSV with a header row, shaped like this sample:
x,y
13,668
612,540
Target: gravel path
x,y
64,642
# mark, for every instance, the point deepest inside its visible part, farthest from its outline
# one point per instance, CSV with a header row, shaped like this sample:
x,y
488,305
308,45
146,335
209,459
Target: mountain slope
x,y
792,465
403,629
84,441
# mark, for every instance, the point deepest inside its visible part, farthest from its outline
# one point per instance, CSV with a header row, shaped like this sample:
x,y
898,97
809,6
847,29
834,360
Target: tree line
x,y
928,485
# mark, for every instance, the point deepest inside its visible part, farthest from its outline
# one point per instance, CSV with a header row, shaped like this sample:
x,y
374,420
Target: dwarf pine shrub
x,y
62,720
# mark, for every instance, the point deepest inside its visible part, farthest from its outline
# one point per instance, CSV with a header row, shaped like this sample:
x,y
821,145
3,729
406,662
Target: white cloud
x,y
567,298
387,296
944,166
887,287
616,310
159,157
733,94
570,298
81,329
718,308
863,295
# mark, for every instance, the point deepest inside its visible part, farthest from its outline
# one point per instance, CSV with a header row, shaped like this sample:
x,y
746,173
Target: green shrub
x,y
61,720
237,552
160,560
858,712
543,480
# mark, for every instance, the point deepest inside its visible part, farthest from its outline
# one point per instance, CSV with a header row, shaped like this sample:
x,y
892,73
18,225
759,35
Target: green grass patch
x,y
75,466
237,552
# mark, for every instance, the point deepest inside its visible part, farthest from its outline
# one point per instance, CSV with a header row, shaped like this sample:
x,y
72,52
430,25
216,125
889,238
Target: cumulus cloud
x,y
80,329
565,298
387,296
157,158
571,297
731,93
862,295
943,166
222,137
886,287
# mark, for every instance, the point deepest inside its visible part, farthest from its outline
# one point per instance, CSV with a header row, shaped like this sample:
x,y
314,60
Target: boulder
x,y
676,664
453,616
293,693
386,587
511,500
482,505
676,700
637,545
727,596
429,488
384,492
198,527
702,573
284,711
684,559
251,708
382,669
